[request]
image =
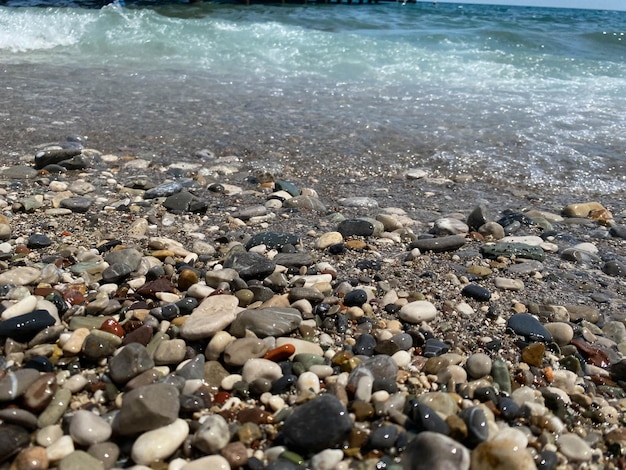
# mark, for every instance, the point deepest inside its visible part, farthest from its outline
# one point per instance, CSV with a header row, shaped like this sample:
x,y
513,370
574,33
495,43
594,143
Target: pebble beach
x,y
213,314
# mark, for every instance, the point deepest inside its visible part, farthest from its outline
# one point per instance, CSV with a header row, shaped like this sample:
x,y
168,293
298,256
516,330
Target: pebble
x,y
434,451
213,314
501,454
574,447
439,244
271,321
328,424
87,428
158,444
213,435
478,365
418,311
147,408
529,327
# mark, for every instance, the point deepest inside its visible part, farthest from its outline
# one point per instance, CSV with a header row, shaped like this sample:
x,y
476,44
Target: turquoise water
x,y
525,96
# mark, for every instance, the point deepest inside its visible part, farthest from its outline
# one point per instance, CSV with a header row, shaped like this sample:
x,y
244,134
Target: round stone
x,y
87,428
478,365
574,447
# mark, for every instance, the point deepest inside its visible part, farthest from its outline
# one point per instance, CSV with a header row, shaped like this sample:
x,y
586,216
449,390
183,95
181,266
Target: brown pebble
x,y
236,454
40,392
186,279
32,458
533,354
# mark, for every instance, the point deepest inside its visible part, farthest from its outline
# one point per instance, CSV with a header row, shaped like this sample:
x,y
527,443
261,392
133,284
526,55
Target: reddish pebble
x,y
280,353
112,326
73,297
221,397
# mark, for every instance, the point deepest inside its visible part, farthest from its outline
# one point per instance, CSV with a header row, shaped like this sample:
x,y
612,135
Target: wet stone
x,y
424,418
434,347
383,437
614,268
87,428
355,298
12,439
529,327
364,345
477,426
328,424
24,327
14,384
435,451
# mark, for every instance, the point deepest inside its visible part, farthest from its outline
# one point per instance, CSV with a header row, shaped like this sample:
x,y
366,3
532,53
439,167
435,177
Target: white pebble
x,y
327,459
160,443
63,447
308,381
418,311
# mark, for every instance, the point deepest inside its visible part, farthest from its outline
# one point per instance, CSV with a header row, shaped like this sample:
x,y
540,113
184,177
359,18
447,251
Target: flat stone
x,y
271,321
418,311
506,283
78,205
237,353
14,384
359,201
212,315
529,327
450,226
439,244
79,460
20,276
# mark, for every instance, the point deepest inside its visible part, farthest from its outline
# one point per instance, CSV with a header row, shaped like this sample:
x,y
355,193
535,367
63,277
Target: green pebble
x,y
154,342
292,457
308,360
55,409
500,374
90,323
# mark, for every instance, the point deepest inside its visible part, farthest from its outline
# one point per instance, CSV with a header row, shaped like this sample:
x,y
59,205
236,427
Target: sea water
x,y
524,96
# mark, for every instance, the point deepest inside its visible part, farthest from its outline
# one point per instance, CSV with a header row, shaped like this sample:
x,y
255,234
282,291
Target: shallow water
x,y
523,96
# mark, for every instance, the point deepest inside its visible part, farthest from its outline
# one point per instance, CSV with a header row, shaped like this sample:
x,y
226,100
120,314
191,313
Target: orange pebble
x,y
280,353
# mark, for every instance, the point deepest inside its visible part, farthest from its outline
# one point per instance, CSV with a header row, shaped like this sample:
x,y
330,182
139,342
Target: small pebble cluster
x,y
209,316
